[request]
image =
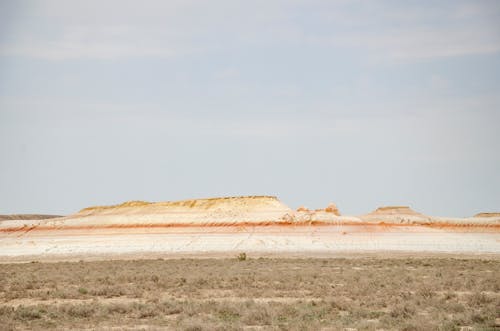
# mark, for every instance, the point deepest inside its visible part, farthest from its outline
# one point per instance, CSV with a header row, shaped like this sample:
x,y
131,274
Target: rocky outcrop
x,y
332,208
326,216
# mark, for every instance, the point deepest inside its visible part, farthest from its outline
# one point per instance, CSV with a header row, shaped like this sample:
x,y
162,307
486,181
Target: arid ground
x,y
174,265
363,293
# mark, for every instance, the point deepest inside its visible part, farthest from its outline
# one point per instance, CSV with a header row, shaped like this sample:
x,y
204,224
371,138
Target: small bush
x,y
80,311
257,316
403,311
28,313
425,292
242,256
478,299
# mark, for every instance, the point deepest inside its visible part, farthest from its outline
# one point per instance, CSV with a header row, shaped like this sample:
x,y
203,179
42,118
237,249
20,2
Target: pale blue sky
x,y
363,103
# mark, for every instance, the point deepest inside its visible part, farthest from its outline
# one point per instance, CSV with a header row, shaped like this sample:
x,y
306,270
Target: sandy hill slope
x,y
212,211
16,217
17,221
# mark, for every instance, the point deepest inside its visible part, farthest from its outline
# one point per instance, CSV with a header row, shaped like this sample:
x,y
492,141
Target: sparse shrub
x,y
145,311
170,308
449,295
228,314
118,309
478,318
193,326
80,311
257,316
402,311
410,327
82,290
27,313
108,291
478,299
425,292
242,256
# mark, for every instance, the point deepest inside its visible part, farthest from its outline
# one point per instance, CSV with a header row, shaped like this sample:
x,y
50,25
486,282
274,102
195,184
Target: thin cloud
x,y
418,44
108,42
164,29
93,50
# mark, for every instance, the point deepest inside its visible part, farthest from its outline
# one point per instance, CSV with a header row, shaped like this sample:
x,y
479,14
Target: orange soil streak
x,y
243,224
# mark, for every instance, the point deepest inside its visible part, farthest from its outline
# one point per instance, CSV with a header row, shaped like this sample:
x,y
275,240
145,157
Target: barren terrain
x,y
391,269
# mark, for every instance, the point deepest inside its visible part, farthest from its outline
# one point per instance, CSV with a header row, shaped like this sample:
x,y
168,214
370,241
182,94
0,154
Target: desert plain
x,y
248,263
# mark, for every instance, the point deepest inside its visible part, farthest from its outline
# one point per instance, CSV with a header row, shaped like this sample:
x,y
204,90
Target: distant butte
x,y
487,215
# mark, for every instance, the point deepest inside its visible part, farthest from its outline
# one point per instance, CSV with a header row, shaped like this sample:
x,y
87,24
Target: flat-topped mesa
x,y
488,214
394,210
236,203
396,215
210,211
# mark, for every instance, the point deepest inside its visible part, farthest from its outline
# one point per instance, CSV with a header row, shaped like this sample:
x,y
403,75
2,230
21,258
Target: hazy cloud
x,y
117,29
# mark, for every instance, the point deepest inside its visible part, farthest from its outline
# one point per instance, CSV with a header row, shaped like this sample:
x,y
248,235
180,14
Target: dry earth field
x,y
363,293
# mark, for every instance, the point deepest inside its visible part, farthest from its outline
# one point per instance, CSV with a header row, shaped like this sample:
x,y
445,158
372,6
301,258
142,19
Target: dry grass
x,y
234,294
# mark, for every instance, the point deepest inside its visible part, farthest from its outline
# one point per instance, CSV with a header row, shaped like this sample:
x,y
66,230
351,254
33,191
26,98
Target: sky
x,y
360,103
